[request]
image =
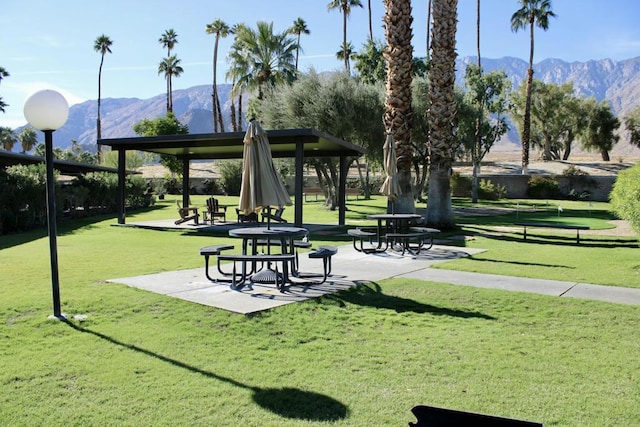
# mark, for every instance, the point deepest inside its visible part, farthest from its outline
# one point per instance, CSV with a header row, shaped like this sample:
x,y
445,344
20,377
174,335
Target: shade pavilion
x,y
295,143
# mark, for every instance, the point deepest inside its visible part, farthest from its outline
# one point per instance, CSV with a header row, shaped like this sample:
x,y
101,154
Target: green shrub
x,y
231,174
542,187
579,184
625,196
460,185
487,190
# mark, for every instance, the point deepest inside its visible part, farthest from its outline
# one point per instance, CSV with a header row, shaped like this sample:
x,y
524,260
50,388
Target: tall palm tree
x,y
478,144
28,139
7,138
237,73
370,21
531,13
102,44
442,112
264,58
345,8
170,67
398,113
220,29
3,73
3,105
299,27
346,53
168,40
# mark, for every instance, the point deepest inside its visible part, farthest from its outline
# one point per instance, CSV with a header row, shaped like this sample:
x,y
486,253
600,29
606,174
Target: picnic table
x,y
395,231
250,236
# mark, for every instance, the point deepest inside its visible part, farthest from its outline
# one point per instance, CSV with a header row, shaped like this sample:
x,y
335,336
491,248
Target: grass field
x,y
359,358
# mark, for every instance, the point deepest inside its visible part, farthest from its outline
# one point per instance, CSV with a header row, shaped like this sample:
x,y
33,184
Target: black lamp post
x,y
48,111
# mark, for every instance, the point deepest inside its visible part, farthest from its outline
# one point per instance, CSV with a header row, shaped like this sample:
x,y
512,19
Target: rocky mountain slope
x,y
616,81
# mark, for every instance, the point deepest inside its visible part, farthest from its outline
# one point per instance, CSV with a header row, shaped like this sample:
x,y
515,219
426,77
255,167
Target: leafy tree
x,y
532,13
344,6
220,29
487,104
625,196
632,124
600,131
167,125
370,63
7,138
28,139
335,104
261,58
170,67
442,111
299,27
103,45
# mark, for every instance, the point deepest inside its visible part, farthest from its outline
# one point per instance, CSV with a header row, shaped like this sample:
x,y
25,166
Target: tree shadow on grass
x,y
370,294
286,402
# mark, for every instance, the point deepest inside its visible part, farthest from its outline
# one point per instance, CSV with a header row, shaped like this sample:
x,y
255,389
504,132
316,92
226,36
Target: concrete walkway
x,y
351,268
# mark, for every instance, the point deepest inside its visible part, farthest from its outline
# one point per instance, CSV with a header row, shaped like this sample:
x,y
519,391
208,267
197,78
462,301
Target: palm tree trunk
x,y
442,113
526,126
98,121
478,147
344,37
398,112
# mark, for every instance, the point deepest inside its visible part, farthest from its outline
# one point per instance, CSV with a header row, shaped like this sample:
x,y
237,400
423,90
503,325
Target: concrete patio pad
x,y
349,269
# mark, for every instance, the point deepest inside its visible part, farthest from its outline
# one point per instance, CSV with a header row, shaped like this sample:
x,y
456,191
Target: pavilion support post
x,y
185,182
342,193
299,183
122,177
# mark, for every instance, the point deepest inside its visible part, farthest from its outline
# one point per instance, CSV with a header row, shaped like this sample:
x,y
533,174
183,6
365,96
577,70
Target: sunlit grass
x,y
359,358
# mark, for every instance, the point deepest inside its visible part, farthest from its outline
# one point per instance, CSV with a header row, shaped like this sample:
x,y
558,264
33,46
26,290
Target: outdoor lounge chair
x,y
186,215
276,216
250,217
214,210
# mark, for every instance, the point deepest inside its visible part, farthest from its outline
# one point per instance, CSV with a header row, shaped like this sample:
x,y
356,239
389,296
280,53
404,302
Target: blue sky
x,y
49,44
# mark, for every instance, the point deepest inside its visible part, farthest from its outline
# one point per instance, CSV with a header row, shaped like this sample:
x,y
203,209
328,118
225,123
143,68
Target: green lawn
x,y
362,357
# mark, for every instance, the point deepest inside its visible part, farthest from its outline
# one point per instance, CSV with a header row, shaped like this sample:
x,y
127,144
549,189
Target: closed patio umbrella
x,y
390,186
261,187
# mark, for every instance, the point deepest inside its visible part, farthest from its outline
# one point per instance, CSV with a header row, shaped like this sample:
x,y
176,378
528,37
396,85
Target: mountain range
x,y
616,81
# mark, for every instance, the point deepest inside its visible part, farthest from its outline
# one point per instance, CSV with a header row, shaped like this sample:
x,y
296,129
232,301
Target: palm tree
x,y
345,7
170,67
262,58
370,23
237,74
3,73
346,53
478,144
442,112
531,13
3,105
398,113
220,29
299,27
28,139
7,138
168,40
103,45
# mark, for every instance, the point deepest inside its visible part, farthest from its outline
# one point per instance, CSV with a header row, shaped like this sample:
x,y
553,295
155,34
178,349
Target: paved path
x,y
351,268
